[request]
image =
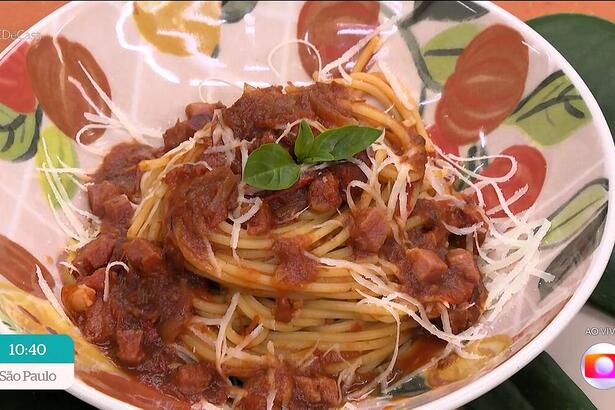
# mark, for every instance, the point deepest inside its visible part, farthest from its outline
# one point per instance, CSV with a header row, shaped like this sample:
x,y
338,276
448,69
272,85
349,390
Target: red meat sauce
x,y
434,268
149,306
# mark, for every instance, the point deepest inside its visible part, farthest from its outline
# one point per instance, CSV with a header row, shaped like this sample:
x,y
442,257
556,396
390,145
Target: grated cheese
x,y
382,378
203,83
76,229
309,357
107,269
514,198
115,110
69,266
55,303
290,126
285,43
271,399
211,256
462,231
355,49
224,323
184,353
235,351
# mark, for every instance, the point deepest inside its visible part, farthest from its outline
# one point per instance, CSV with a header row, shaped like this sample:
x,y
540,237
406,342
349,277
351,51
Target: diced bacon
x,y
347,172
193,378
318,389
464,263
95,254
130,346
95,281
178,133
324,193
145,257
370,229
283,310
118,211
262,222
99,323
426,265
294,267
99,193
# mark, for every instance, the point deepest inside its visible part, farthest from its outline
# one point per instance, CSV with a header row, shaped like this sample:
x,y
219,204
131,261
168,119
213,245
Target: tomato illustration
x,y
442,143
333,27
485,87
531,171
15,90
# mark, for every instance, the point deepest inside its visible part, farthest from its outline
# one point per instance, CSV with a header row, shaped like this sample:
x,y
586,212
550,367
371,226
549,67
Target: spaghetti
x,y
214,290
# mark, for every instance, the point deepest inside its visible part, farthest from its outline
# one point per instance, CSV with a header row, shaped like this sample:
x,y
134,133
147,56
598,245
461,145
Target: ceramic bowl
x,y
471,65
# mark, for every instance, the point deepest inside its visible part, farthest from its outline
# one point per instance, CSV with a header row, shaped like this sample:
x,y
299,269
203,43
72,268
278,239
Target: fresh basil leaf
x,y
342,143
321,156
304,141
270,167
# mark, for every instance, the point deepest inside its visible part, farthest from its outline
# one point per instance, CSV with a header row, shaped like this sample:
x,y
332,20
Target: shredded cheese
x,y
235,351
462,231
117,112
289,127
242,219
285,43
69,266
55,303
355,49
514,198
271,399
184,353
224,323
382,378
107,269
76,229
211,256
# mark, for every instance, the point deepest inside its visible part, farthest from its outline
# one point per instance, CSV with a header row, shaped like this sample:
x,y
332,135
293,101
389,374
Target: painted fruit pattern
x,y
482,70
485,87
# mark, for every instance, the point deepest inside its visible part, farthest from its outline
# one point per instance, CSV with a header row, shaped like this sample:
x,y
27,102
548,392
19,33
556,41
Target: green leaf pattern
x,y
475,150
61,151
441,52
577,212
234,11
19,133
552,111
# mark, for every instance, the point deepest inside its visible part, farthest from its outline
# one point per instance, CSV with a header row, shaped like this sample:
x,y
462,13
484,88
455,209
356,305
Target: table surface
x,y
569,346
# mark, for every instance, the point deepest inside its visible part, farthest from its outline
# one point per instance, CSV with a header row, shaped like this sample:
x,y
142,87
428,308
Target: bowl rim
x,y
517,361
600,256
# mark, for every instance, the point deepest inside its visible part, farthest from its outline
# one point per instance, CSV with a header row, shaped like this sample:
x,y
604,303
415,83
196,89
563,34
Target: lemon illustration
x,y
181,28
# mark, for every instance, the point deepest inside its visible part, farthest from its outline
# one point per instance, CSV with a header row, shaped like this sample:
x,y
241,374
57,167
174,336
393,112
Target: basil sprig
x,y
271,167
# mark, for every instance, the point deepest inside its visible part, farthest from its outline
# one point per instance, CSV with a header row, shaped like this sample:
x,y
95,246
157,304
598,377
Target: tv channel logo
x,y
598,366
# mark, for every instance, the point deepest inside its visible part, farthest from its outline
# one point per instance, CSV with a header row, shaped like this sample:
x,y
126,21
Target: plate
x,y
476,69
